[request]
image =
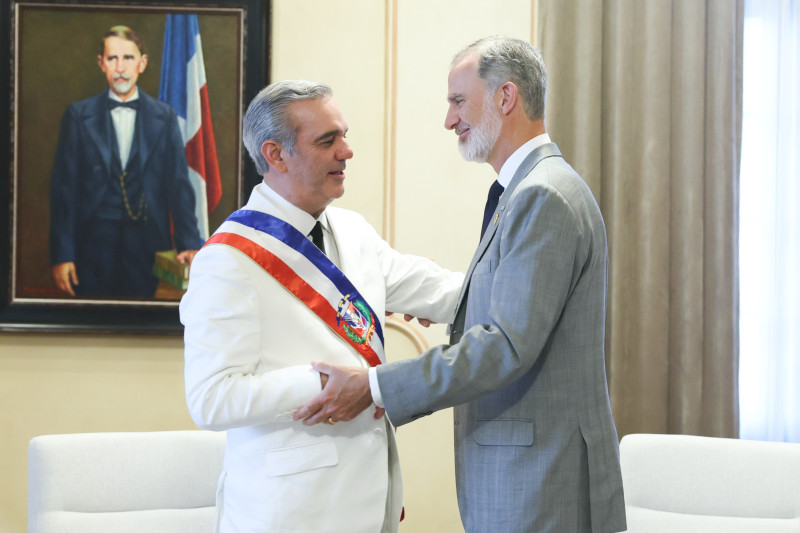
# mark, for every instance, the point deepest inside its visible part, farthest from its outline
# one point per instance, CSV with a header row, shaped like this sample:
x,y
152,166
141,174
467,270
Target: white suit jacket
x,y
248,345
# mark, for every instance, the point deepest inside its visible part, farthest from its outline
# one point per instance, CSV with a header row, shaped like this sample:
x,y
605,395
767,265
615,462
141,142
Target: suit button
x,y
379,433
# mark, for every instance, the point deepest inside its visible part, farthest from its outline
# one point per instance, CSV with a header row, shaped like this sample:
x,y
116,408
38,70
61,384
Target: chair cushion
x,y
129,481
691,483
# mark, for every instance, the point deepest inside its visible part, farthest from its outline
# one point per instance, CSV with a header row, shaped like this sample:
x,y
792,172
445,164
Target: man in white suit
x,y
263,302
536,446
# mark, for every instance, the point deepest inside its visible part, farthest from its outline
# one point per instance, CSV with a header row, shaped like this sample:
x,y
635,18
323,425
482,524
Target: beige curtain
x,y
644,101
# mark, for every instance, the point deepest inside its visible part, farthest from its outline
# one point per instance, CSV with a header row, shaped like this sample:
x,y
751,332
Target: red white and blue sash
x,y
293,260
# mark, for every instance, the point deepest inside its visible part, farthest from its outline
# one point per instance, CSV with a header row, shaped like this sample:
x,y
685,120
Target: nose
x,y
345,152
119,66
451,120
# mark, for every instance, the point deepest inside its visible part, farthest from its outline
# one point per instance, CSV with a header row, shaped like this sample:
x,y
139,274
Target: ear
x,y
272,152
508,97
143,63
100,63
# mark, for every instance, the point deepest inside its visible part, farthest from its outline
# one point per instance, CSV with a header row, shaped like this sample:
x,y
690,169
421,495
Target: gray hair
x,y
502,59
267,117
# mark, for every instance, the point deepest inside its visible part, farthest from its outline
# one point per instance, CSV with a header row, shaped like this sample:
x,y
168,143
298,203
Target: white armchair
x,y
682,483
161,481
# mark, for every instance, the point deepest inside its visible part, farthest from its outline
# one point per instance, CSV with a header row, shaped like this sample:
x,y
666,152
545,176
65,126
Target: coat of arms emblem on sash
x,y
355,318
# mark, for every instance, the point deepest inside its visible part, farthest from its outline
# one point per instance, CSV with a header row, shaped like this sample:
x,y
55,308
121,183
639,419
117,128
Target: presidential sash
x,y
302,269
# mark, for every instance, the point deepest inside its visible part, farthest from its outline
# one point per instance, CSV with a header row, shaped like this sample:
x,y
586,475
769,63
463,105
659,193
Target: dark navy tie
x,y
491,204
316,236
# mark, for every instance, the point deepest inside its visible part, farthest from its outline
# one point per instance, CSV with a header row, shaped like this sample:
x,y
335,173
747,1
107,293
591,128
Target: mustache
x,y
121,76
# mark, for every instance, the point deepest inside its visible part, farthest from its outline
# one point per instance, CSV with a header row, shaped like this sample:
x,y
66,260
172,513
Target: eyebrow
x,y
452,97
328,134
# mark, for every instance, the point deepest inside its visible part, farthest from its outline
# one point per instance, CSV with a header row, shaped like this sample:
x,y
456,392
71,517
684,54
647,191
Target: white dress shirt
x,y
124,119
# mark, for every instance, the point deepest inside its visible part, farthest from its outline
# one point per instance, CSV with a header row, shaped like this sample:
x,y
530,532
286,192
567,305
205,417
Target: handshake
x,y
345,392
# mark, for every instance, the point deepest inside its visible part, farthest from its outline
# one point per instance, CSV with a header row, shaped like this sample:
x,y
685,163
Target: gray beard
x,y
483,136
123,87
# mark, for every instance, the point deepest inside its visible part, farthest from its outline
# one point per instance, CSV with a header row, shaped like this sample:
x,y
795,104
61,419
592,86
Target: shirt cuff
x,y
374,388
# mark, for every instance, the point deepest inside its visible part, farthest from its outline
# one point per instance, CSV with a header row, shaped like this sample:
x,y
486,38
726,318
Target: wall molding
x,y
390,122
406,329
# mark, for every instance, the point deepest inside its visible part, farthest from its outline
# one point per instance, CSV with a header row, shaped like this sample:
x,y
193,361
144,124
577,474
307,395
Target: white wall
x,y
387,63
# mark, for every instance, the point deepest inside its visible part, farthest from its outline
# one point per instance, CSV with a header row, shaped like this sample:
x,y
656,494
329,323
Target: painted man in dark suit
x,y
120,189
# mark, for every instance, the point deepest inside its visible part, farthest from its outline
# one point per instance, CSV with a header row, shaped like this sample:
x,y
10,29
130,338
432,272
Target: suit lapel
x,y
98,125
527,165
346,248
149,129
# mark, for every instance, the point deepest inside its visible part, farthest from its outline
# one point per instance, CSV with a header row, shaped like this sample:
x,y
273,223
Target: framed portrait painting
x,y
123,153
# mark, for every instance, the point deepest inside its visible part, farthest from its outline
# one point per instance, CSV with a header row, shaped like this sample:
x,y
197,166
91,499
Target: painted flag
x,y
183,86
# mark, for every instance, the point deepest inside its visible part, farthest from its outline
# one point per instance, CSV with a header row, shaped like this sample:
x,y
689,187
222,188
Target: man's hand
x,y
186,257
65,276
345,395
424,322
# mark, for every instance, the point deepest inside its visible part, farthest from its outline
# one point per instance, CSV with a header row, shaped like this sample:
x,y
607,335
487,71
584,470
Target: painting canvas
x,y
59,59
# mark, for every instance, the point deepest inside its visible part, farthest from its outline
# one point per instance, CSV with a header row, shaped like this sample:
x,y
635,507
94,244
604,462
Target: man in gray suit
x,y
536,446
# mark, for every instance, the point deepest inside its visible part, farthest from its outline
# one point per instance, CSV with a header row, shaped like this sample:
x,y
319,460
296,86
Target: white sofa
x,y
686,484
161,481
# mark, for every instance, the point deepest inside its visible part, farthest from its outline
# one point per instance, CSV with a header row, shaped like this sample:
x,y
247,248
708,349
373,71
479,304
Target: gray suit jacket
x,y
536,446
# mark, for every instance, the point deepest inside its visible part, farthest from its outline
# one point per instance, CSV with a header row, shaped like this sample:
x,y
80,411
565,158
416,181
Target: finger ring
x,y
331,421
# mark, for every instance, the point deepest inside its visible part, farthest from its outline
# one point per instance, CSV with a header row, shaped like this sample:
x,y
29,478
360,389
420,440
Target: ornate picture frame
x,y
54,62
